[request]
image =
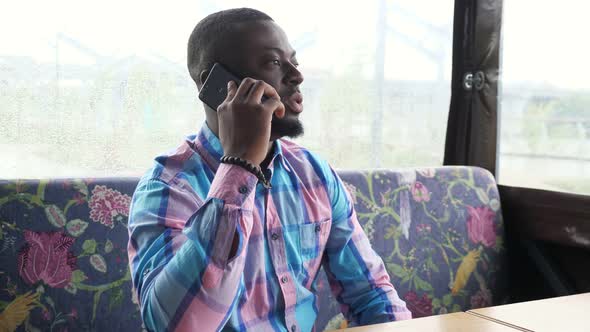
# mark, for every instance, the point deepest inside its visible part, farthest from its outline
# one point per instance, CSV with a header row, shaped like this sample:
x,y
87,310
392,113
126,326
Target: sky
x,y
543,42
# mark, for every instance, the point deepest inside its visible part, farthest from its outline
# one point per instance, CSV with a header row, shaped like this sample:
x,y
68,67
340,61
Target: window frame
x,y
534,218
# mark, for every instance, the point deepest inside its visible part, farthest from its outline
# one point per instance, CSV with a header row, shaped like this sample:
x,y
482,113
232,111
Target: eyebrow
x,y
280,51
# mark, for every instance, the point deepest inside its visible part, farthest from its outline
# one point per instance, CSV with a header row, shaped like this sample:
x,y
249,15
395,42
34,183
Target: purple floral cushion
x,y
64,259
440,234
63,248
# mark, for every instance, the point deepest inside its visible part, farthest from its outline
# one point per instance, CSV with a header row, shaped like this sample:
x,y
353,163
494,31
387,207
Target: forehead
x,y
259,36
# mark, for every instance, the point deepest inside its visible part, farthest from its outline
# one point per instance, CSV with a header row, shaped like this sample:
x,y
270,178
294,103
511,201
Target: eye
x,y
276,62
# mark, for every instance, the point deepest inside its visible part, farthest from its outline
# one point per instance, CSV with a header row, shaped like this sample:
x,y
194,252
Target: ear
x,y
203,76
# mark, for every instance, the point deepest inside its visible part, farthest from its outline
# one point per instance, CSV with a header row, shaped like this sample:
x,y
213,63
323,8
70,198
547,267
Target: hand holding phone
x,y
214,89
244,116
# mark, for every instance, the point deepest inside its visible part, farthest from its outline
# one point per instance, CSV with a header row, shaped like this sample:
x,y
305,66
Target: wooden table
x,y
456,322
567,313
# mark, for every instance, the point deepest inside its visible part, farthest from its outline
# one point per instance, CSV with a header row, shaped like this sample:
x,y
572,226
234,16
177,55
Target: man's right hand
x,y
245,121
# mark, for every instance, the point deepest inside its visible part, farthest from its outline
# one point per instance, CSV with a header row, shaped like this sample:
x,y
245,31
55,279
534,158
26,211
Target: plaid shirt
x,y
187,209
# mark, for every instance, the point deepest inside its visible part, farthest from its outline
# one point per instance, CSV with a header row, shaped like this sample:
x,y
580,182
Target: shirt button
x,y
274,236
284,279
293,328
243,190
317,228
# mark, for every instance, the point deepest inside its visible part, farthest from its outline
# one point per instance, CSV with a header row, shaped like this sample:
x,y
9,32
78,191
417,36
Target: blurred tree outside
x,y
560,124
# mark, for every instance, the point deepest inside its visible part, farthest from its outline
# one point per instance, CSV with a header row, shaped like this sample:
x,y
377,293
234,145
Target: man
x,y
212,248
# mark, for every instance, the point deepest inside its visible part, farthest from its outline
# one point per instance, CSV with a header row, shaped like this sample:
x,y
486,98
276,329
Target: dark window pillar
x,y
473,116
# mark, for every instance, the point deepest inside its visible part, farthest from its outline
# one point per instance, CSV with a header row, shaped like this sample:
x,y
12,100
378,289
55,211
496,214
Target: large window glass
x,y
100,88
545,96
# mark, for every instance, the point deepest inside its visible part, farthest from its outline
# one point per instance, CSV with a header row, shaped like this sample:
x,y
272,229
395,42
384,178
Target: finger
x,y
255,87
272,103
264,89
244,88
231,90
276,106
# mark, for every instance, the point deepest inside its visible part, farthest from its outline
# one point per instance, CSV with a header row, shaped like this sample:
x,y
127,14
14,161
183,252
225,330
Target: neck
x,y
269,154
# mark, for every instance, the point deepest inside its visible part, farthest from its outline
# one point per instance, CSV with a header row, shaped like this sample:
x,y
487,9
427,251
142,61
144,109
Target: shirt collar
x,y
208,145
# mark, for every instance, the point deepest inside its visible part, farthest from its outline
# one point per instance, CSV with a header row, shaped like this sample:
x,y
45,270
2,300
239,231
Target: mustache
x,y
289,93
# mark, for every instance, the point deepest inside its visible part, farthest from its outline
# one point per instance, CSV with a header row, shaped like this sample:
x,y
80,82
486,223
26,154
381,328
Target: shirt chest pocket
x,y
313,238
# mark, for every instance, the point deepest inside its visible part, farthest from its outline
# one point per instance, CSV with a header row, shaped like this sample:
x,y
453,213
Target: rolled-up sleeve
x,y
356,273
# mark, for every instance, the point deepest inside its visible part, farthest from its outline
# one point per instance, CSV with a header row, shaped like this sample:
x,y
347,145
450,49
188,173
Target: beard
x,y
288,126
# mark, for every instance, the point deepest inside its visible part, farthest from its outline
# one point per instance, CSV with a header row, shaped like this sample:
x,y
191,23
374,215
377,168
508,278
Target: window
x,y
100,89
545,96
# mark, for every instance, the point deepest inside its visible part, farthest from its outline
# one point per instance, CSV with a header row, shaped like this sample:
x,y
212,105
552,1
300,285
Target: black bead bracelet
x,y
247,166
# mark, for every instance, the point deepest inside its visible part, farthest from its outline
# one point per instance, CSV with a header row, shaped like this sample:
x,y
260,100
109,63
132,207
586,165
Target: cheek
x,y
274,81
270,76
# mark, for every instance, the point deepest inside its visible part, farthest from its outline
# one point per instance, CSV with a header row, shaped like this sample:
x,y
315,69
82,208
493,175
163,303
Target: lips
x,y
294,102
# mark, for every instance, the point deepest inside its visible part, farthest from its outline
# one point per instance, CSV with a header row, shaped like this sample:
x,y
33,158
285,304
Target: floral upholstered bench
x,y
63,257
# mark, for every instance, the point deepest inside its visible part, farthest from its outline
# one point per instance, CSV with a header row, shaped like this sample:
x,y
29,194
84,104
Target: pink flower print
x,y
74,313
480,226
46,257
79,198
46,314
108,205
423,228
481,299
419,306
420,192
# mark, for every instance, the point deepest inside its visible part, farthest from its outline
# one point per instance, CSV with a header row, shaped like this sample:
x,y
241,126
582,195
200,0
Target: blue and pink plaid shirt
x,y
185,213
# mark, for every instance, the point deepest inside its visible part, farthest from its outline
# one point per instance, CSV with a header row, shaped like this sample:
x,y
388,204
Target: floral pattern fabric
x,y
440,233
64,260
63,252
46,257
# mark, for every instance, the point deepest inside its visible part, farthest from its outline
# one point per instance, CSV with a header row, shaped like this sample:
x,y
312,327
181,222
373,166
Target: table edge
x,y
498,321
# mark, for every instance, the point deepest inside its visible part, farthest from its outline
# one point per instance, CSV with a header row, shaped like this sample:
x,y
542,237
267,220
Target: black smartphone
x,y
214,89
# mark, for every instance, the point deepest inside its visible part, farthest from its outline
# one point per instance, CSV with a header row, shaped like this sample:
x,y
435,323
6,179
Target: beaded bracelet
x,y
247,166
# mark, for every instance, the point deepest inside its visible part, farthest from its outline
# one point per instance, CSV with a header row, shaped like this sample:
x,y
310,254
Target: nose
x,y
294,76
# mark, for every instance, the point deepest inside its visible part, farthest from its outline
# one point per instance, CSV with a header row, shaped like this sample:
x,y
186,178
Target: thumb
x,y
274,106
279,110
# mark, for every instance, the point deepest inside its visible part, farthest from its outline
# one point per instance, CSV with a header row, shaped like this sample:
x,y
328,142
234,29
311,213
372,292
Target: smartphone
x,y
214,90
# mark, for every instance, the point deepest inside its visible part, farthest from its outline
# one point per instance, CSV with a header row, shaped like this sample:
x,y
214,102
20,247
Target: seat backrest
x,y
64,260
64,244
440,234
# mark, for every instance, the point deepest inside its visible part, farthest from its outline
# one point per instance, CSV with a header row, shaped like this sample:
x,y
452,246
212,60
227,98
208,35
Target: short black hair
x,y
204,42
